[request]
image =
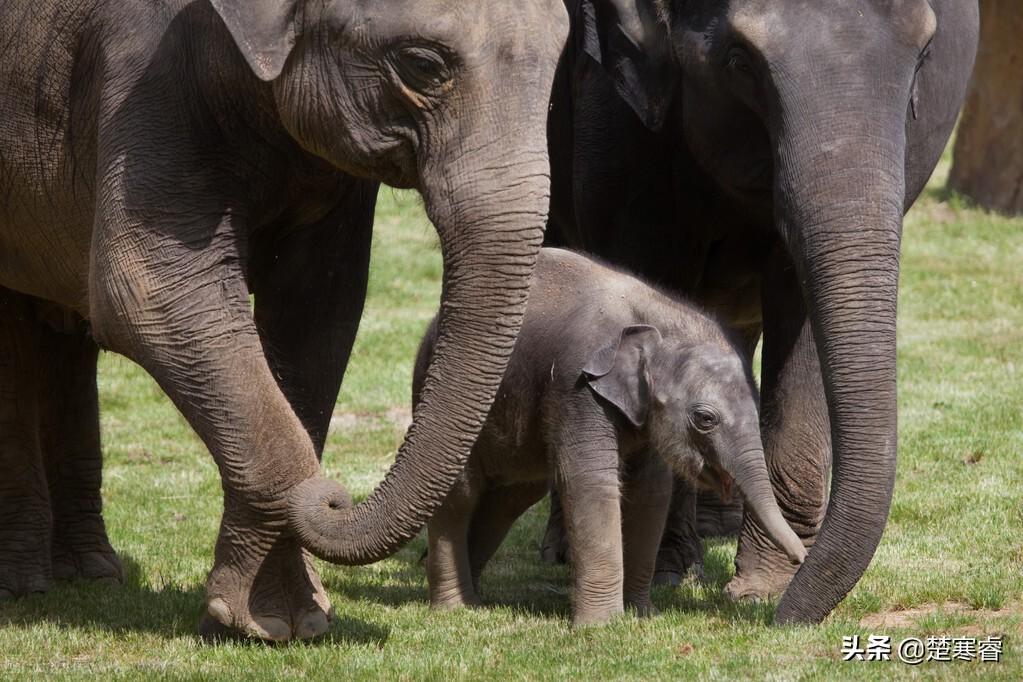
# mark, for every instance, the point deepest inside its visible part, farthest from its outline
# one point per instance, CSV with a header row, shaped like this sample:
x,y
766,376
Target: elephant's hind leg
x,y
497,511
447,559
70,439
25,519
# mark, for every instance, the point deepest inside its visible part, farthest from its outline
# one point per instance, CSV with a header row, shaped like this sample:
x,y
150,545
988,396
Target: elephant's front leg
x,y
172,296
70,438
796,434
586,475
25,518
646,496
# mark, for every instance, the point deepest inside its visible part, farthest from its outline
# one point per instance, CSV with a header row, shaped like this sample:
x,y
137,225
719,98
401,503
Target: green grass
x,y
951,560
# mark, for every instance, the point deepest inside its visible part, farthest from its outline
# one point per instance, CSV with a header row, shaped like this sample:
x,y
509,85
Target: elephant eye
x,y
423,69
738,60
704,419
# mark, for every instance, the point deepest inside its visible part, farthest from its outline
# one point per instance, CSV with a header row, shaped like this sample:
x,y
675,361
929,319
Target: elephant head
x,y
696,402
449,98
810,112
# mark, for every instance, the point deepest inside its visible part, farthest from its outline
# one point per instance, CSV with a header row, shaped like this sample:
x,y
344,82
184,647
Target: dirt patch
x,y
912,617
398,417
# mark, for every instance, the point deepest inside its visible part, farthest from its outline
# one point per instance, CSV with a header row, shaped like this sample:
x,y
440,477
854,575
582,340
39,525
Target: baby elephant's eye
x,y
704,419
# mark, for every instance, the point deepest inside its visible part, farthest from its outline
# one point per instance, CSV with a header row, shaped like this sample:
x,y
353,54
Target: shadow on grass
x,y
134,606
517,580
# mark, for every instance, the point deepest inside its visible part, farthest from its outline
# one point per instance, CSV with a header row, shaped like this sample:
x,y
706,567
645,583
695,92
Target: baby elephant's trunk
x,y
749,470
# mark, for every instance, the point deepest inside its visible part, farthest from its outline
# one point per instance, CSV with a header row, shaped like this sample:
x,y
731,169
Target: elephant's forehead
x,y
760,23
470,26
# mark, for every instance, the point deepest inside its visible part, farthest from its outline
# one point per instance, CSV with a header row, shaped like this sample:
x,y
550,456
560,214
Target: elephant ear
x,y
629,40
264,30
618,372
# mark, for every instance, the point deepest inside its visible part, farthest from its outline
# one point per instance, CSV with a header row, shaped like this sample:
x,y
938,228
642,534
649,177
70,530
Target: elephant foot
x,y
455,603
83,551
642,608
263,586
767,578
762,571
18,583
759,587
672,578
582,618
25,566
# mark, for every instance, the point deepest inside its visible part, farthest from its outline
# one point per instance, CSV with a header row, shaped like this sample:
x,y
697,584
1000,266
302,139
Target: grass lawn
x,y
951,561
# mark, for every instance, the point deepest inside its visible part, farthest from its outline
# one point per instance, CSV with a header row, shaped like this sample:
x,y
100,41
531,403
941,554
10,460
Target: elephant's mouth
x,y
716,480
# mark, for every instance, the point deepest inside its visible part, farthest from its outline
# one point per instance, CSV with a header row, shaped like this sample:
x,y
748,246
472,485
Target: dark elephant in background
x,y
160,162
759,156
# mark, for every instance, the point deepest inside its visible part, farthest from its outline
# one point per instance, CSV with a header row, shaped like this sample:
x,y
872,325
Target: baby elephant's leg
x,y
447,561
586,474
497,510
554,548
646,495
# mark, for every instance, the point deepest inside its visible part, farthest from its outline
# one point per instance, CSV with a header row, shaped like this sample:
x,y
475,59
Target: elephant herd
x,y
191,184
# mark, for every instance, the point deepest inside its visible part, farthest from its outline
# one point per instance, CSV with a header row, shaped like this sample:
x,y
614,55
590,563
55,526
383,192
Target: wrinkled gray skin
x,y
160,162
758,156
612,387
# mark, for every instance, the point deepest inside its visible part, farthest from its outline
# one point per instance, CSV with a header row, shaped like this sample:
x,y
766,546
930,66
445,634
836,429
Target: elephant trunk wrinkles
x,y
749,469
490,233
840,191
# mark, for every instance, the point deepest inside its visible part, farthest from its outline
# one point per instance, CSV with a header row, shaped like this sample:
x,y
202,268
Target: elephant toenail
x,y
269,628
313,624
219,610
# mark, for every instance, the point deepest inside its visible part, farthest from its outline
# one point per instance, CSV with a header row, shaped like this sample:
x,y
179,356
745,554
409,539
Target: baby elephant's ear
x,y
264,31
618,373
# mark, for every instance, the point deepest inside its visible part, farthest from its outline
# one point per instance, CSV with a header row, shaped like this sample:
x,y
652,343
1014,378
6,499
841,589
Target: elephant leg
x,y
25,516
796,433
496,512
310,287
448,566
554,548
70,438
681,551
169,291
646,497
586,475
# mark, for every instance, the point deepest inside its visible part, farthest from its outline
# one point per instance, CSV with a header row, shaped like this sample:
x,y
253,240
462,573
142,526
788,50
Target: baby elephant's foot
x,y
263,586
453,598
587,617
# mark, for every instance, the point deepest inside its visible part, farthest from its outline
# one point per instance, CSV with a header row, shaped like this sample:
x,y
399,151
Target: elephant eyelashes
x,y
703,419
423,69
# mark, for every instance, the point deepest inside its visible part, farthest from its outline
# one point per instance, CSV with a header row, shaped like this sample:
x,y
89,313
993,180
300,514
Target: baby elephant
x,y
612,386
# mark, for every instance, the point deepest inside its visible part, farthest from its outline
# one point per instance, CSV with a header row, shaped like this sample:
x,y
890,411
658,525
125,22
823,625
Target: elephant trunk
x,y
839,195
749,469
490,231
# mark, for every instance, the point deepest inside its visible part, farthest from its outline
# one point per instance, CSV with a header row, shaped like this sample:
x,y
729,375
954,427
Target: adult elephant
x,y
159,162
759,155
